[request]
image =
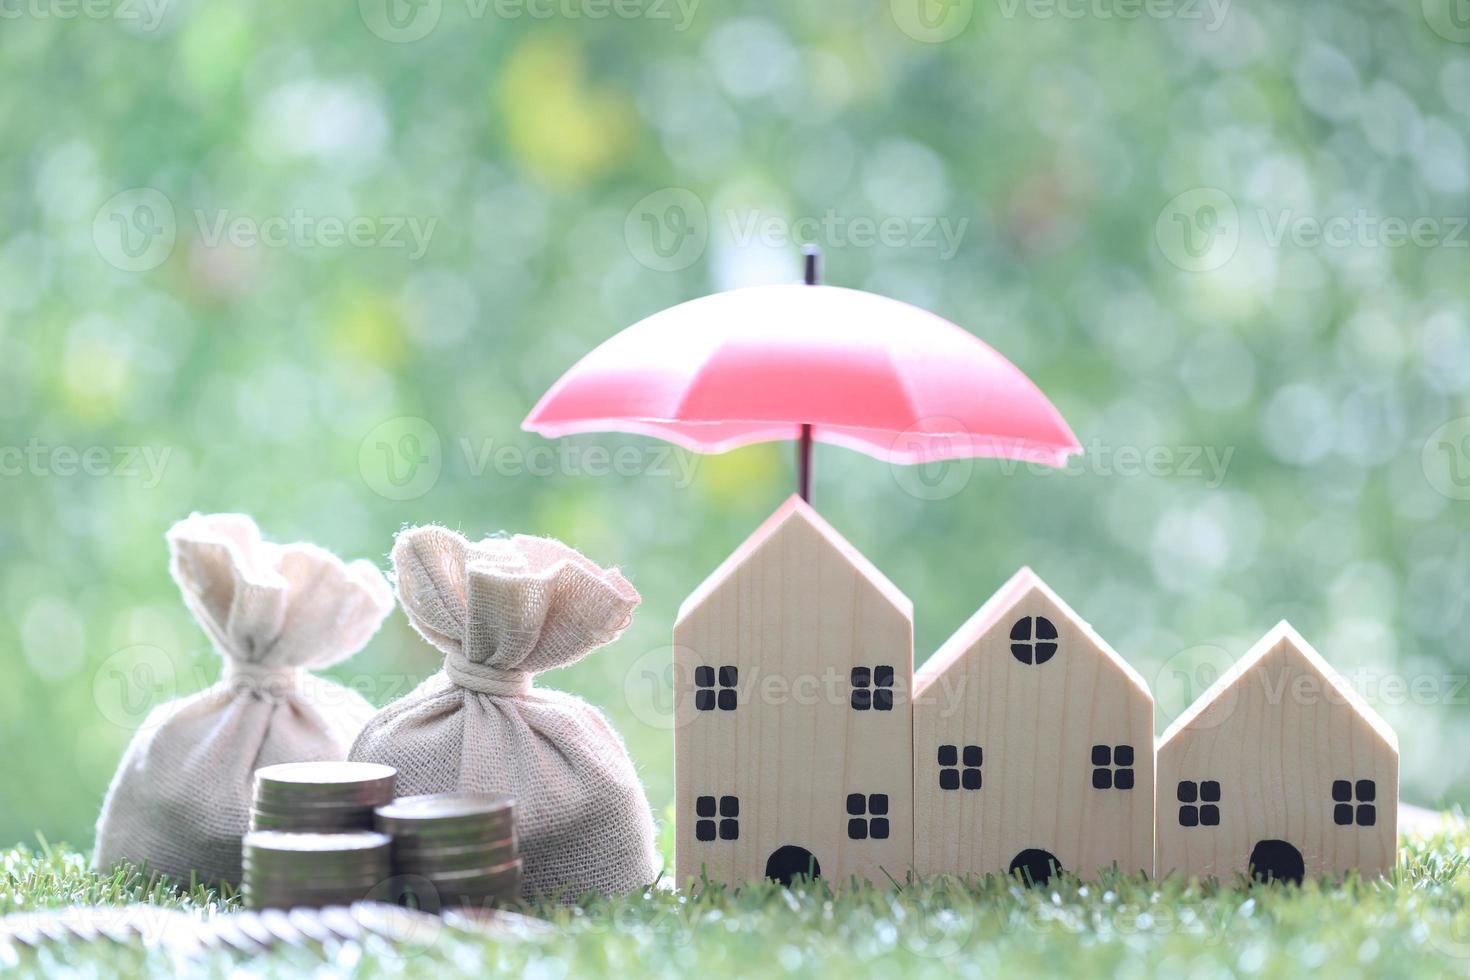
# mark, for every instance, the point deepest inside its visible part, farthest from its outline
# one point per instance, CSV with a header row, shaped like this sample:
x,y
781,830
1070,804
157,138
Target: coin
x,y
286,870
461,845
320,796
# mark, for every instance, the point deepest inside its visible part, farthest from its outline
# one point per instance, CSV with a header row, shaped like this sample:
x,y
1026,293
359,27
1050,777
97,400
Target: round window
x,y
1033,640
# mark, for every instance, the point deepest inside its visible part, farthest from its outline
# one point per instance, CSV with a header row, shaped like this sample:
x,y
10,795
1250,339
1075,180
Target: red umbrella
x,y
808,362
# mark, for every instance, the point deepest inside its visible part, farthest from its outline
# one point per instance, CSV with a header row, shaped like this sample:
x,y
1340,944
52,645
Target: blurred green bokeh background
x,y
315,262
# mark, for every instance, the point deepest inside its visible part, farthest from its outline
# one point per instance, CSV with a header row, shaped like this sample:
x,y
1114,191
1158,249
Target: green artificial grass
x,y
1416,924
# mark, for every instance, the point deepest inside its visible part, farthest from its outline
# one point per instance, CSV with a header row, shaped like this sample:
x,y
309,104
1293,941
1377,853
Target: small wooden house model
x,y
1033,745
793,664
1280,769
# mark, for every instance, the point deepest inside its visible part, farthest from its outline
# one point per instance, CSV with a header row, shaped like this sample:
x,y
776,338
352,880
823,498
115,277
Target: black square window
x,y
727,828
951,775
1345,793
1112,767
872,689
1033,640
707,696
867,816
1207,813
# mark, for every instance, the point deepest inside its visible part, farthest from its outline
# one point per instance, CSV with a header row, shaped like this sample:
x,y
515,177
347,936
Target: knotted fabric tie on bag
x,y
501,611
180,799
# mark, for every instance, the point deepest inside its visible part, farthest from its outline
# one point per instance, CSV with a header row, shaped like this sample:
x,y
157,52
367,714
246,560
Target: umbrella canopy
x,y
840,366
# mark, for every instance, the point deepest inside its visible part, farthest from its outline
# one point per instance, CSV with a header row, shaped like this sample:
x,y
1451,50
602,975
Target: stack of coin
x,y
288,870
320,796
461,844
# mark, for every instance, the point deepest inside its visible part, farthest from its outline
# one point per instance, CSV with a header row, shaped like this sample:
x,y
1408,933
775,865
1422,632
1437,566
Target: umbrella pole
x,y
804,464
804,445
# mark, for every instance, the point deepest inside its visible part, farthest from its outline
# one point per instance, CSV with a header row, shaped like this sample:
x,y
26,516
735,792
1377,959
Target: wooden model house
x,y
1033,745
1280,769
793,664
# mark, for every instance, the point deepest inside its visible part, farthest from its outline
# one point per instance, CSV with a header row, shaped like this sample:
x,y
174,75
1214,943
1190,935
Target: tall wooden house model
x,y
793,729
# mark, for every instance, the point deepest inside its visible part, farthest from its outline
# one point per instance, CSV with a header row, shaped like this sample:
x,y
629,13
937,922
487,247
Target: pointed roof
x,y
1282,637
795,516
1019,587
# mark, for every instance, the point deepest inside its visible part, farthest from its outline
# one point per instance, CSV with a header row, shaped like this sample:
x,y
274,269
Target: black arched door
x,y
1036,865
1276,860
791,862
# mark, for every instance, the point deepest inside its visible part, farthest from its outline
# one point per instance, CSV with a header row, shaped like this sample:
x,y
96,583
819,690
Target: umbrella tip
x,y
813,255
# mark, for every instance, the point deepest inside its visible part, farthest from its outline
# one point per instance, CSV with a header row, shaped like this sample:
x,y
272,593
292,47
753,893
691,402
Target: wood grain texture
x,y
1279,733
1036,725
793,611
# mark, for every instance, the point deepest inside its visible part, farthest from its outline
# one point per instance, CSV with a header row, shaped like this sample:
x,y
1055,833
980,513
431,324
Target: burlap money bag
x,y
181,796
501,611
